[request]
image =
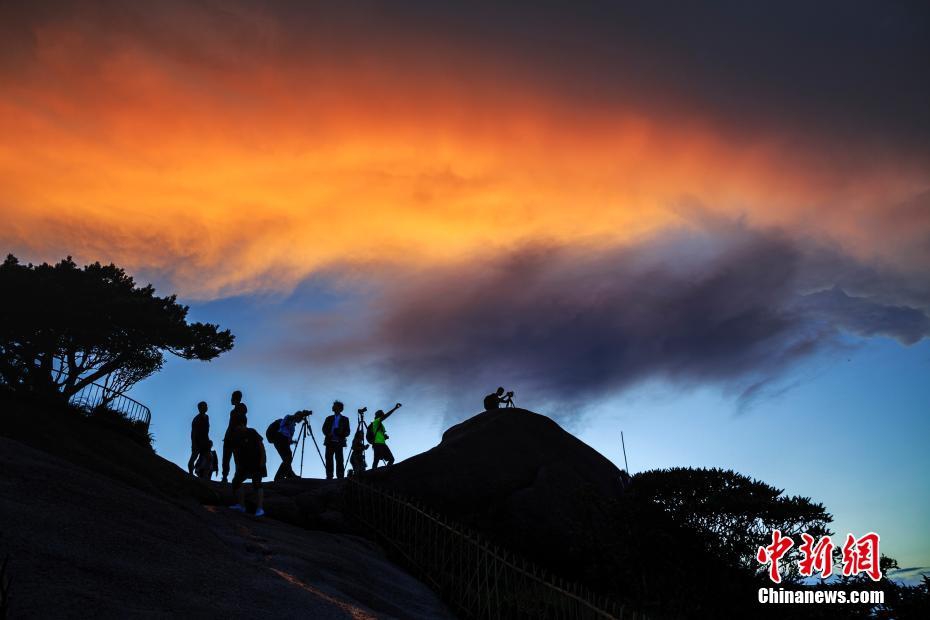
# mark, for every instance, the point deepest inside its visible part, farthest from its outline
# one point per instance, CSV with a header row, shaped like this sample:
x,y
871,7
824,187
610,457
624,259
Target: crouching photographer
x,y
495,399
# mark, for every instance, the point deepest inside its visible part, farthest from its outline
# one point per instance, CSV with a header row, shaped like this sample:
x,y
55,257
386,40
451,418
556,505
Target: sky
x,y
708,227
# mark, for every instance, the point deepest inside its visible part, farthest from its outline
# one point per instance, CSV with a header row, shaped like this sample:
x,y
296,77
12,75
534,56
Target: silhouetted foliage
x,y
736,512
905,602
902,602
666,569
685,538
134,429
64,327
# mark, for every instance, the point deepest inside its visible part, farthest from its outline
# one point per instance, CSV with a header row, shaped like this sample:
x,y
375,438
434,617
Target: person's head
x,y
338,407
202,406
236,398
500,391
379,414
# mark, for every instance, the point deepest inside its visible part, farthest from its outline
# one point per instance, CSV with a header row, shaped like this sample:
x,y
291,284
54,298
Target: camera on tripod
x,y
303,413
362,410
507,400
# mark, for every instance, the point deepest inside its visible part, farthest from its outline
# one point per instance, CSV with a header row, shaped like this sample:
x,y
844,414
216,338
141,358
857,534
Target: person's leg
x,y
387,455
227,456
238,492
330,455
203,466
375,455
198,465
195,452
340,462
259,496
289,459
284,451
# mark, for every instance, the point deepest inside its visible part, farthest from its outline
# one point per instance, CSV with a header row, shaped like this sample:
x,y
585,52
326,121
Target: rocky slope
x,y
99,527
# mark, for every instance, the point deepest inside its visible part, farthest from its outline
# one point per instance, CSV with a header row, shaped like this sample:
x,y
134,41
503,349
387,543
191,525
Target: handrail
x,y
475,577
93,395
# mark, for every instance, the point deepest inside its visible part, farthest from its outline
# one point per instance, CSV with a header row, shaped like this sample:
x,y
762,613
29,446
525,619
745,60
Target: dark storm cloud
x,y
726,306
854,69
850,71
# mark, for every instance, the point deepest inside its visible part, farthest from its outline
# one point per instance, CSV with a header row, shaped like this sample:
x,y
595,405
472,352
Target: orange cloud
x,y
237,172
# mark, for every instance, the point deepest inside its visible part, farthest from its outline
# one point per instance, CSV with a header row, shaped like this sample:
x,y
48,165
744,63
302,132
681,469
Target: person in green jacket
x,y
379,438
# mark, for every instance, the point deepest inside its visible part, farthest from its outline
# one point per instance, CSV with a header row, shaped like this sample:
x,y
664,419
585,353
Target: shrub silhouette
x,y
733,511
117,420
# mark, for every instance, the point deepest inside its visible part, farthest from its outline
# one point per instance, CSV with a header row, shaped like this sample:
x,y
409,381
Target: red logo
x,y
860,555
772,553
817,557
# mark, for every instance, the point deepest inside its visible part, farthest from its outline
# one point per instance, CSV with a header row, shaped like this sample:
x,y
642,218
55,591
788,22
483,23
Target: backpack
x,y
370,433
249,444
272,433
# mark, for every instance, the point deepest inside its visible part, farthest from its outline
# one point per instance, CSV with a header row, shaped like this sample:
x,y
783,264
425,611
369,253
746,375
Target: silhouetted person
x,y
494,399
335,431
238,414
357,460
215,463
281,435
379,437
205,466
249,450
200,437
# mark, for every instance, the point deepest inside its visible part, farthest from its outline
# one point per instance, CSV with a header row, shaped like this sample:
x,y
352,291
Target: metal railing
x,y
94,395
475,577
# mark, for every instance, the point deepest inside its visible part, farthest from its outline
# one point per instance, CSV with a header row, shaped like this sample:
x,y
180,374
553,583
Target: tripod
x,y
302,443
508,402
361,427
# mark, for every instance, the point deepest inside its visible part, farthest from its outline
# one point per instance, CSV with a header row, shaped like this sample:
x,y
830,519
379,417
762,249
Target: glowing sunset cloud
x,y
247,161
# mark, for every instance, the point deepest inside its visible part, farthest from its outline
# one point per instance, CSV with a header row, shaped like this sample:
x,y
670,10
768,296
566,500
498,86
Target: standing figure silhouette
x,y
238,414
379,437
200,437
335,431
